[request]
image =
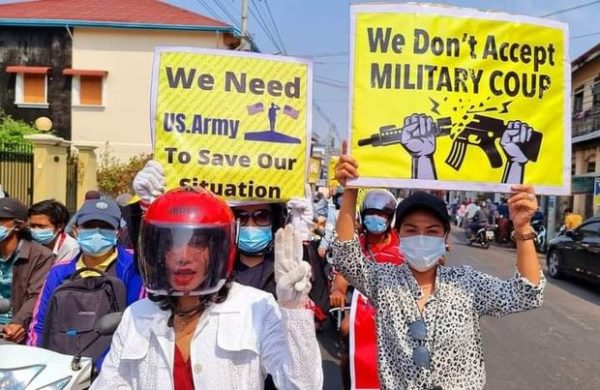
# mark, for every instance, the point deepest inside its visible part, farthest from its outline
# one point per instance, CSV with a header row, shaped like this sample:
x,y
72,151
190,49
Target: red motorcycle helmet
x,y
187,243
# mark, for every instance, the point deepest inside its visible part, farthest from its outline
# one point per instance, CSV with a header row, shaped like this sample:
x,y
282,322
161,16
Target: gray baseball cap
x,y
104,210
11,208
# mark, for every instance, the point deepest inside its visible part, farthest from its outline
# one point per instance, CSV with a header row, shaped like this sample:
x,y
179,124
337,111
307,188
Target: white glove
x,y
149,183
292,274
301,213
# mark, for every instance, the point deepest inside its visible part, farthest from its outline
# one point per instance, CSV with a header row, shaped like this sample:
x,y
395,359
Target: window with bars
x,y
596,94
578,101
591,166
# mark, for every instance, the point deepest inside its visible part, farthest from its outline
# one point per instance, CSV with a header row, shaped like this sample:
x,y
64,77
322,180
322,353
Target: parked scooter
x,y
483,236
541,243
38,368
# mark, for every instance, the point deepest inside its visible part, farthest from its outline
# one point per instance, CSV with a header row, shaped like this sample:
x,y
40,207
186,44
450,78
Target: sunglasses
x,y
421,355
260,217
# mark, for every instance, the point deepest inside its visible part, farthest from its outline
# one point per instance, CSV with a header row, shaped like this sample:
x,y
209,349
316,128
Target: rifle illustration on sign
x,y
520,143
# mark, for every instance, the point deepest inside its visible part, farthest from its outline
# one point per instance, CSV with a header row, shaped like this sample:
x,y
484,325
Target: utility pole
x,y
328,152
245,44
551,214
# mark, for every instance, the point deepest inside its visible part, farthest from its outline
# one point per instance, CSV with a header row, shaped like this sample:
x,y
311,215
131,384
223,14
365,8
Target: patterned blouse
x,y
462,295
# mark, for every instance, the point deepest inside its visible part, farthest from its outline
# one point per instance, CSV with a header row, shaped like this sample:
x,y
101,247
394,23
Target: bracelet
x,y
516,236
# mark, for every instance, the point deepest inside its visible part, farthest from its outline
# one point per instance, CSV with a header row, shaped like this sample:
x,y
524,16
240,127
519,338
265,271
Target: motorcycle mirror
x,y
107,324
5,306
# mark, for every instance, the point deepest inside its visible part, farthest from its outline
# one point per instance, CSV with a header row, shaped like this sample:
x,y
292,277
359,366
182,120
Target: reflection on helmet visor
x,y
182,260
378,201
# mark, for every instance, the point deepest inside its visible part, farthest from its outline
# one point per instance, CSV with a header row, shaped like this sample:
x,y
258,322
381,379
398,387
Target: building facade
x,y
87,65
585,165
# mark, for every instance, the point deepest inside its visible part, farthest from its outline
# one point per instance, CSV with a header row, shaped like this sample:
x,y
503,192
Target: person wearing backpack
x,y
101,279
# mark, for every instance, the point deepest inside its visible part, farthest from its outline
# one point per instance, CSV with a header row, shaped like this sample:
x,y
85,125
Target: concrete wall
x,y
50,171
124,120
49,168
87,167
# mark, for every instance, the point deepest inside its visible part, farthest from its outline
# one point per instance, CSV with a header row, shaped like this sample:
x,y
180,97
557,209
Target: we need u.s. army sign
x,y
235,123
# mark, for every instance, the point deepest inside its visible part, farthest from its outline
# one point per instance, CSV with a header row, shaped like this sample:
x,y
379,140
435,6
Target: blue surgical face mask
x,y
5,232
43,236
376,224
96,242
253,239
422,252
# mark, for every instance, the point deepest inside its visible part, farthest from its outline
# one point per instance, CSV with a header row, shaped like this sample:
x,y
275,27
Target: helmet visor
x,y
379,200
185,260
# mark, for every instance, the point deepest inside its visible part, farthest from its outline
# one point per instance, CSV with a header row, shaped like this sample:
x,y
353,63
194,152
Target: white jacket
x,y
236,343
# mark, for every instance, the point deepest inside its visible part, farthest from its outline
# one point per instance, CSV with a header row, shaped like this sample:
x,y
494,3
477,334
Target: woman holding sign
x,y
428,332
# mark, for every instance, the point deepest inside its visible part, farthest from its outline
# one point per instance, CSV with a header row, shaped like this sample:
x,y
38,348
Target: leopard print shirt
x,y
451,315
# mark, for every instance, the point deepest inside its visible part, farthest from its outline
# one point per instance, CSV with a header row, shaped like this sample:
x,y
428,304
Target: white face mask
x,y
422,252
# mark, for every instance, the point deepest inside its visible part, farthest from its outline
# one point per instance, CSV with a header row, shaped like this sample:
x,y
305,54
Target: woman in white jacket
x,y
199,330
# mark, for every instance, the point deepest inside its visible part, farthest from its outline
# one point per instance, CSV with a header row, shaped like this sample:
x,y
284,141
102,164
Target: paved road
x,y
555,347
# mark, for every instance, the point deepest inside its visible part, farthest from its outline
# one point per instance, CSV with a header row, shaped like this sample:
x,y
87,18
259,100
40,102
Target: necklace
x,y
185,325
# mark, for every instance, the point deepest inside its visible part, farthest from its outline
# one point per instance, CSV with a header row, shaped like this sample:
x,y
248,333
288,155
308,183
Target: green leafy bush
x,y
12,132
116,177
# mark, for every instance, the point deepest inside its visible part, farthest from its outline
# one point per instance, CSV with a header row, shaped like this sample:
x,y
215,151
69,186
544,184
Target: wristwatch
x,y
516,236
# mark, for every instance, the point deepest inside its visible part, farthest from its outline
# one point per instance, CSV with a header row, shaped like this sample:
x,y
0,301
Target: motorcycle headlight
x,y
18,378
58,385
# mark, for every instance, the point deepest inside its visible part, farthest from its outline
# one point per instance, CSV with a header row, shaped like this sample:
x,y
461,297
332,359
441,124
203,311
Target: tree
x,y
116,177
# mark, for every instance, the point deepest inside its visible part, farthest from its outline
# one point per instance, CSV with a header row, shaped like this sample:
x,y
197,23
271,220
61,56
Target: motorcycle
x,y
541,244
38,368
483,236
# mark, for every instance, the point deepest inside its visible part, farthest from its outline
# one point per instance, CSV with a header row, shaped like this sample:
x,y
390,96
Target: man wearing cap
x,y
24,265
428,314
97,227
89,195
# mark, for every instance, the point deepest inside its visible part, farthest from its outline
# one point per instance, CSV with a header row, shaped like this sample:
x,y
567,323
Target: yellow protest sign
x,y
331,171
314,172
235,123
597,192
450,98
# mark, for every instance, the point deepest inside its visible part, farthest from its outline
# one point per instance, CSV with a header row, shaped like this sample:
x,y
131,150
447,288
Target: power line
x,y
209,9
344,87
336,54
331,80
326,119
330,63
562,11
275,26
262,24
585,35
226,12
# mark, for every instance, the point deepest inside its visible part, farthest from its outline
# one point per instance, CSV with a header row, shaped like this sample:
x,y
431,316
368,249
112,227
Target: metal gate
x,y
16,171
72,168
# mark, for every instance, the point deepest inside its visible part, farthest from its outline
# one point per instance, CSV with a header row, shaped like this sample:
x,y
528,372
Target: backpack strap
x,y
111,270
78,273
